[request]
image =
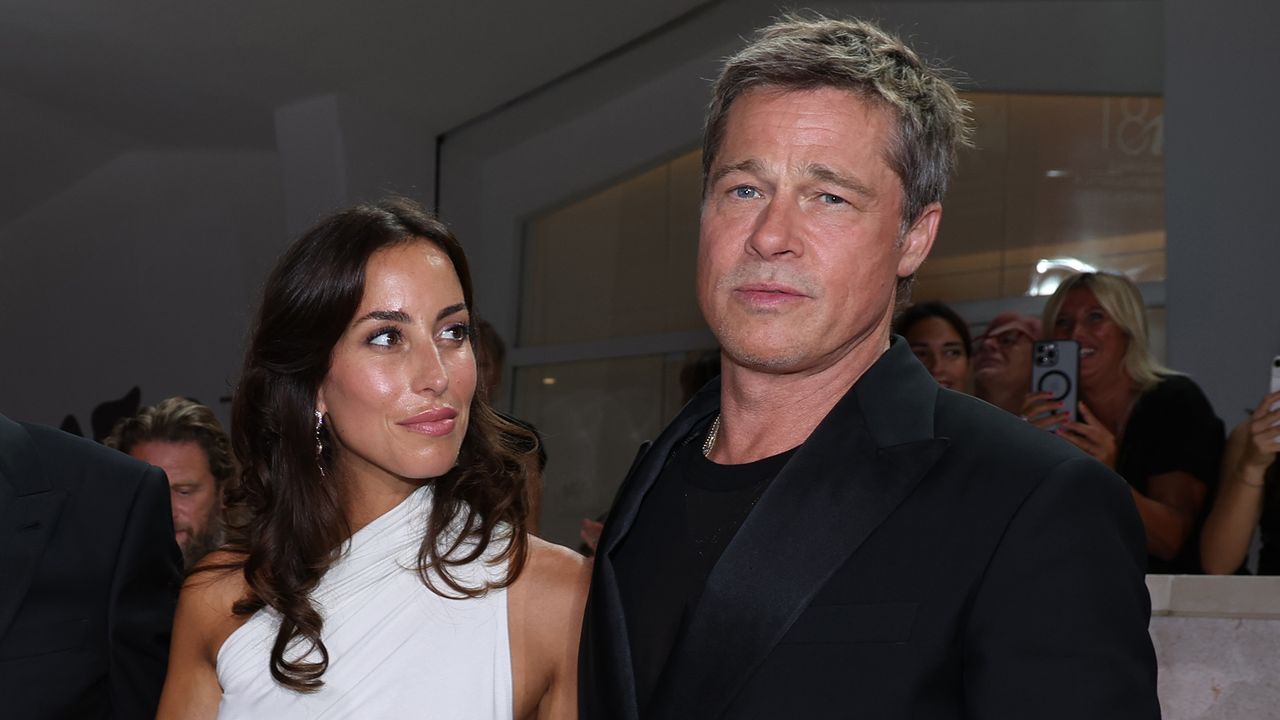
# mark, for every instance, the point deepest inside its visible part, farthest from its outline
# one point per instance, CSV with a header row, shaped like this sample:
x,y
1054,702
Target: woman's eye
x,y
456,333
745,192
385,338
952,353
1096,316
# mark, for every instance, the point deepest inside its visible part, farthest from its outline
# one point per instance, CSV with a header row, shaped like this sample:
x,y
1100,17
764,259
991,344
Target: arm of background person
x,y
1224,542
1170,510
1058,627
144,590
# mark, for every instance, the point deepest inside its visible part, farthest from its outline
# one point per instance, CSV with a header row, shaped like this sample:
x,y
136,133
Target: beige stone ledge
x,y
1209,596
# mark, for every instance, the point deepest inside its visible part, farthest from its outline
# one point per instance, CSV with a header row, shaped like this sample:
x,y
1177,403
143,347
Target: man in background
x,y
185,439
89,578
1002,360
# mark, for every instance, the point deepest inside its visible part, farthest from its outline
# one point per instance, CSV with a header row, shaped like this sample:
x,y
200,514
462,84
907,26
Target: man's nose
x,y
776,231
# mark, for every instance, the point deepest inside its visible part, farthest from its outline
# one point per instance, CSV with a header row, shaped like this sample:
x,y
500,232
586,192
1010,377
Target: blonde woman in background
x,y
1151,425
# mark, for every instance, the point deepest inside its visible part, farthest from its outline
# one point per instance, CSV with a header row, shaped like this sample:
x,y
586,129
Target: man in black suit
x,y
90,578
825,532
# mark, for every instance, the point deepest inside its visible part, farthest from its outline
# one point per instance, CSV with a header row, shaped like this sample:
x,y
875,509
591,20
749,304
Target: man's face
x,y
800,249
195,496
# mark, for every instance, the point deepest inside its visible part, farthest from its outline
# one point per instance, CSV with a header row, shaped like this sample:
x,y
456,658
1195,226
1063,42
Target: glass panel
x,y
1054,182
619,263
592,417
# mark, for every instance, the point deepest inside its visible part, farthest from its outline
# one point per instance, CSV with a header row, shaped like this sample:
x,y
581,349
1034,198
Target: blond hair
x,y
1122,301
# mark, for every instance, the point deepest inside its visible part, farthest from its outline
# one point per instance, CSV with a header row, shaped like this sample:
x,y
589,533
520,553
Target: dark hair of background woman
x,y
924,310
288,522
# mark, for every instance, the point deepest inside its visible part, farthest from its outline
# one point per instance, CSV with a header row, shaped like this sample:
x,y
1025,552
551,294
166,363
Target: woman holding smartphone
x,y
1248,497
1151,425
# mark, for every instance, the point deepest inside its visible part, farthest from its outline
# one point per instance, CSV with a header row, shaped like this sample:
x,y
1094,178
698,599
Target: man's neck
x,y
763,414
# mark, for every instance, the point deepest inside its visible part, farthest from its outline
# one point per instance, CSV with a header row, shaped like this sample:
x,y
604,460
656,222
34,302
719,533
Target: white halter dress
x,y
396,649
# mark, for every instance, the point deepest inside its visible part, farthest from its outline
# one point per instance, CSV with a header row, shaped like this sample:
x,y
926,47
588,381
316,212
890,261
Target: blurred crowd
x,y
1205,500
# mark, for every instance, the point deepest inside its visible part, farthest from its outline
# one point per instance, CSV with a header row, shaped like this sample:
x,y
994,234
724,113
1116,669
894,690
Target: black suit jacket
x,y
922,555
90,578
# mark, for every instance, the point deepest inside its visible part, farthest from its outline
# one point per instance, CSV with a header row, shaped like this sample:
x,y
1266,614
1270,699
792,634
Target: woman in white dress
x,y
378,564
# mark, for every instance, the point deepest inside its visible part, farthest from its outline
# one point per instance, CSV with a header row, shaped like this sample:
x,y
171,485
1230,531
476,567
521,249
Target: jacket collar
x,y
29,510
19,462
859,464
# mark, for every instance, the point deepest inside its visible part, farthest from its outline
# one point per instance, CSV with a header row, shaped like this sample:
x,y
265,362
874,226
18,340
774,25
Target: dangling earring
x,y
319,443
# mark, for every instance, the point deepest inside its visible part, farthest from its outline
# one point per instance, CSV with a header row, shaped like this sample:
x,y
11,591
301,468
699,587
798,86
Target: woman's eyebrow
x,y
399,316
446,312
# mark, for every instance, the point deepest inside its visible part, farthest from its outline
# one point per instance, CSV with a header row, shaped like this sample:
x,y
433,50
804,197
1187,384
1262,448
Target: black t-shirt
x,y
1173,428
683,526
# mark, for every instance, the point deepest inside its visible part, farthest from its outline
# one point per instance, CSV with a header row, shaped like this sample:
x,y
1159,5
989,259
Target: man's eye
x,y
385,337
829,199
745,192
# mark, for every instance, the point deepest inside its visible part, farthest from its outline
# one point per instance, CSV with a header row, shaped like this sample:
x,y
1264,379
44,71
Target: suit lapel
x,y
29,509
608,676
860,463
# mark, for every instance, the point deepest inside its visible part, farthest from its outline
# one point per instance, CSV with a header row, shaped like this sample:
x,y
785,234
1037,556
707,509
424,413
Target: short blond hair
x,y
1121,299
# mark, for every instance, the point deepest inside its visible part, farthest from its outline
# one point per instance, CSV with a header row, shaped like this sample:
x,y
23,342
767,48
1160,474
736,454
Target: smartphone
x,y
1055,369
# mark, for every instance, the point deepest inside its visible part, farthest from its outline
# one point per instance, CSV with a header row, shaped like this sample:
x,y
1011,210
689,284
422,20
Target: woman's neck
x,y
1111,403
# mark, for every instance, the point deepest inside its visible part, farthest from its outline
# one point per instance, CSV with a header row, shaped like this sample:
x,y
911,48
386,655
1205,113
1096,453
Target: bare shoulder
x,y
204,620
556,569
553,584
545,606
208,596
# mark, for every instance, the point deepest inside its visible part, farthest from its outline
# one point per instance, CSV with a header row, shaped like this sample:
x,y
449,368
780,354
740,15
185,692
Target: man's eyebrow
x,y
747,166
818,171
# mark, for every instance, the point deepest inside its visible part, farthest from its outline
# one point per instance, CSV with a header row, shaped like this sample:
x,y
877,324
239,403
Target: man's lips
x,y
768,293
434,422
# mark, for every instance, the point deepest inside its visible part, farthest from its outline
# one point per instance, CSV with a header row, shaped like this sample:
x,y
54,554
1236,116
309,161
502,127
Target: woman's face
x,y
1102,341
942,351
401,377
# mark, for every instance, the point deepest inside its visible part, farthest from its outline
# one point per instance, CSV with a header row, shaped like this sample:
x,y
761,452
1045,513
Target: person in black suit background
x,y
825,532
90,578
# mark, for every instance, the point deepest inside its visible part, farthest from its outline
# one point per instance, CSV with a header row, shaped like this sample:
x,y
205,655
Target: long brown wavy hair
x,y
291,523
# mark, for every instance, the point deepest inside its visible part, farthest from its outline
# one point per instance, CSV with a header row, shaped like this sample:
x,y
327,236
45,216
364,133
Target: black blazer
x,y
90,578
922,555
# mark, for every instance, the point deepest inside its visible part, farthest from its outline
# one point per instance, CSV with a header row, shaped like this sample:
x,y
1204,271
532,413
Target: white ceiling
x,y
81,80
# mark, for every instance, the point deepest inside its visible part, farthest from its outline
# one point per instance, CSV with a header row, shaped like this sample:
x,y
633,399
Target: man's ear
x,y
918,240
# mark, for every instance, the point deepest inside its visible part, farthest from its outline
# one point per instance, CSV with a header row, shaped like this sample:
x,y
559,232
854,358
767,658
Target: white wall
x,y
143,272
1222,150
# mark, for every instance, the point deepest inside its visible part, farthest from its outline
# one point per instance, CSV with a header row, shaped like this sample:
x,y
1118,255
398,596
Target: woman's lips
x,y
436,422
